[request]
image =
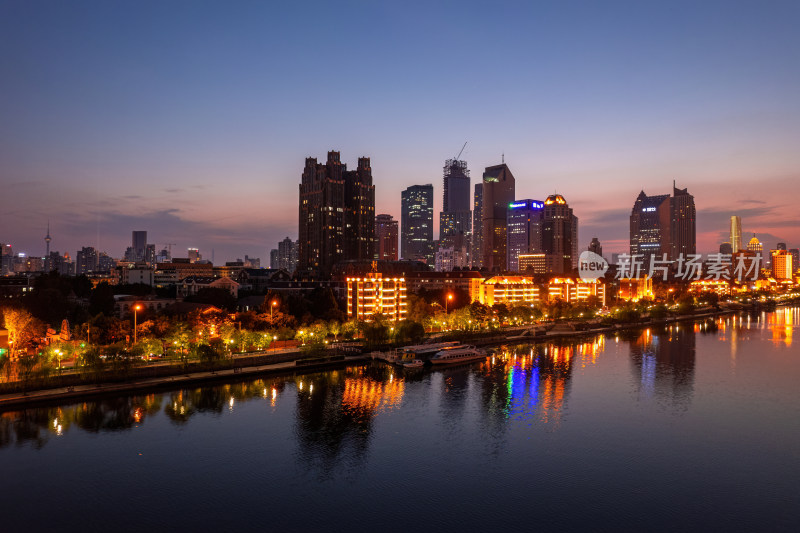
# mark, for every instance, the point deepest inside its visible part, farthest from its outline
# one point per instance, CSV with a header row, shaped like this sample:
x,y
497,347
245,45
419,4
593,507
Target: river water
x,y
687,428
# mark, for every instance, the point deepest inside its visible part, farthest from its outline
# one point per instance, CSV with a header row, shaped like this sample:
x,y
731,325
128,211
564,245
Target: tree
x,y
376,331
409,331
102,300
417,308
24,330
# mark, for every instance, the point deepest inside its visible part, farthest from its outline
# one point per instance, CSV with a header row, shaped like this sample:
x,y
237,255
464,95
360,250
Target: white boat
x,y
461,354
416,363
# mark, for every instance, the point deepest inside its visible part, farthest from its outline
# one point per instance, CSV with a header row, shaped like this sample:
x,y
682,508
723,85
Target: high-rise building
x,y
781,246
498,193
456,216
477,225
595,246
138,244
386,237
194,255
6,259
782,267
663,225
86,260
359,212
274,263
524,221
736,234
650,224
287,255
795,252
337,214
559,235
416,219
683,227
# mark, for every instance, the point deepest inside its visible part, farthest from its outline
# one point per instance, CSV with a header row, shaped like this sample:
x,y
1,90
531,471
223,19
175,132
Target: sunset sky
x,y
191,120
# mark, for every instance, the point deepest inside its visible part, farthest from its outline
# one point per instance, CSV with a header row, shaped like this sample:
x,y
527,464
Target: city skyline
x,y
197,139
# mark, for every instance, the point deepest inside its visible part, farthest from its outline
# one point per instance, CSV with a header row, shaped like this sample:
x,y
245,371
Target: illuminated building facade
x,y
416,221
650,222
533,263
508,290
755,247
497,194
559,235
374,294
635,289
719,286
575,290
386,238
782,267
336,214
736,234
524,221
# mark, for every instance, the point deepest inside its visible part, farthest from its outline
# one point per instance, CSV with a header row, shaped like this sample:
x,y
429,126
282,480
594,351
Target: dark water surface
x,y
685,428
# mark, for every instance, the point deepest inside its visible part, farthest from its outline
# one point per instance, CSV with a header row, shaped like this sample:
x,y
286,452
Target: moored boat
x,y
458,355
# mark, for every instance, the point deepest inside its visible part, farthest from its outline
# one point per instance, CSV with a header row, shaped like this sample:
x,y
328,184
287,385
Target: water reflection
x,y
335,411
782,323
530,383
664,363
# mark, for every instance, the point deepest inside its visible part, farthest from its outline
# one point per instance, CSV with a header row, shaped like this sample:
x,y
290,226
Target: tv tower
x,y
47,239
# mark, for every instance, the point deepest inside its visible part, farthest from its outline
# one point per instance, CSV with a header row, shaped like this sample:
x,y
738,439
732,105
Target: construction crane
x,y
462,149
169,246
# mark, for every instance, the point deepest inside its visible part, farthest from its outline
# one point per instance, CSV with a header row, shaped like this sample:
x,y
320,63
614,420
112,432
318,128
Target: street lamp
x,y
136,307
449,297
271,307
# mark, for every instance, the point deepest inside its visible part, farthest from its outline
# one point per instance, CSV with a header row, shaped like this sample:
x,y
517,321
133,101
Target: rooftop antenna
x,y
503,158
47,239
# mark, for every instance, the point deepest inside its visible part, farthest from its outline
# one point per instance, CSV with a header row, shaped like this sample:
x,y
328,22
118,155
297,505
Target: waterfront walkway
x,y
177,381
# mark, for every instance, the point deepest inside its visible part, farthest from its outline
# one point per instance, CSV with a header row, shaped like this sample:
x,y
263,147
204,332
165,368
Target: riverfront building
x,y
373,294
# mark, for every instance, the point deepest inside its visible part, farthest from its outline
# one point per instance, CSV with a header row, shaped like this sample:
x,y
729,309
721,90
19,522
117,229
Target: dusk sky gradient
x,y
191,120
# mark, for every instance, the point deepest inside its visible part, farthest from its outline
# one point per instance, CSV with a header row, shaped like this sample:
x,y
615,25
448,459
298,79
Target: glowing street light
x,y
450,298
271,307
136,308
